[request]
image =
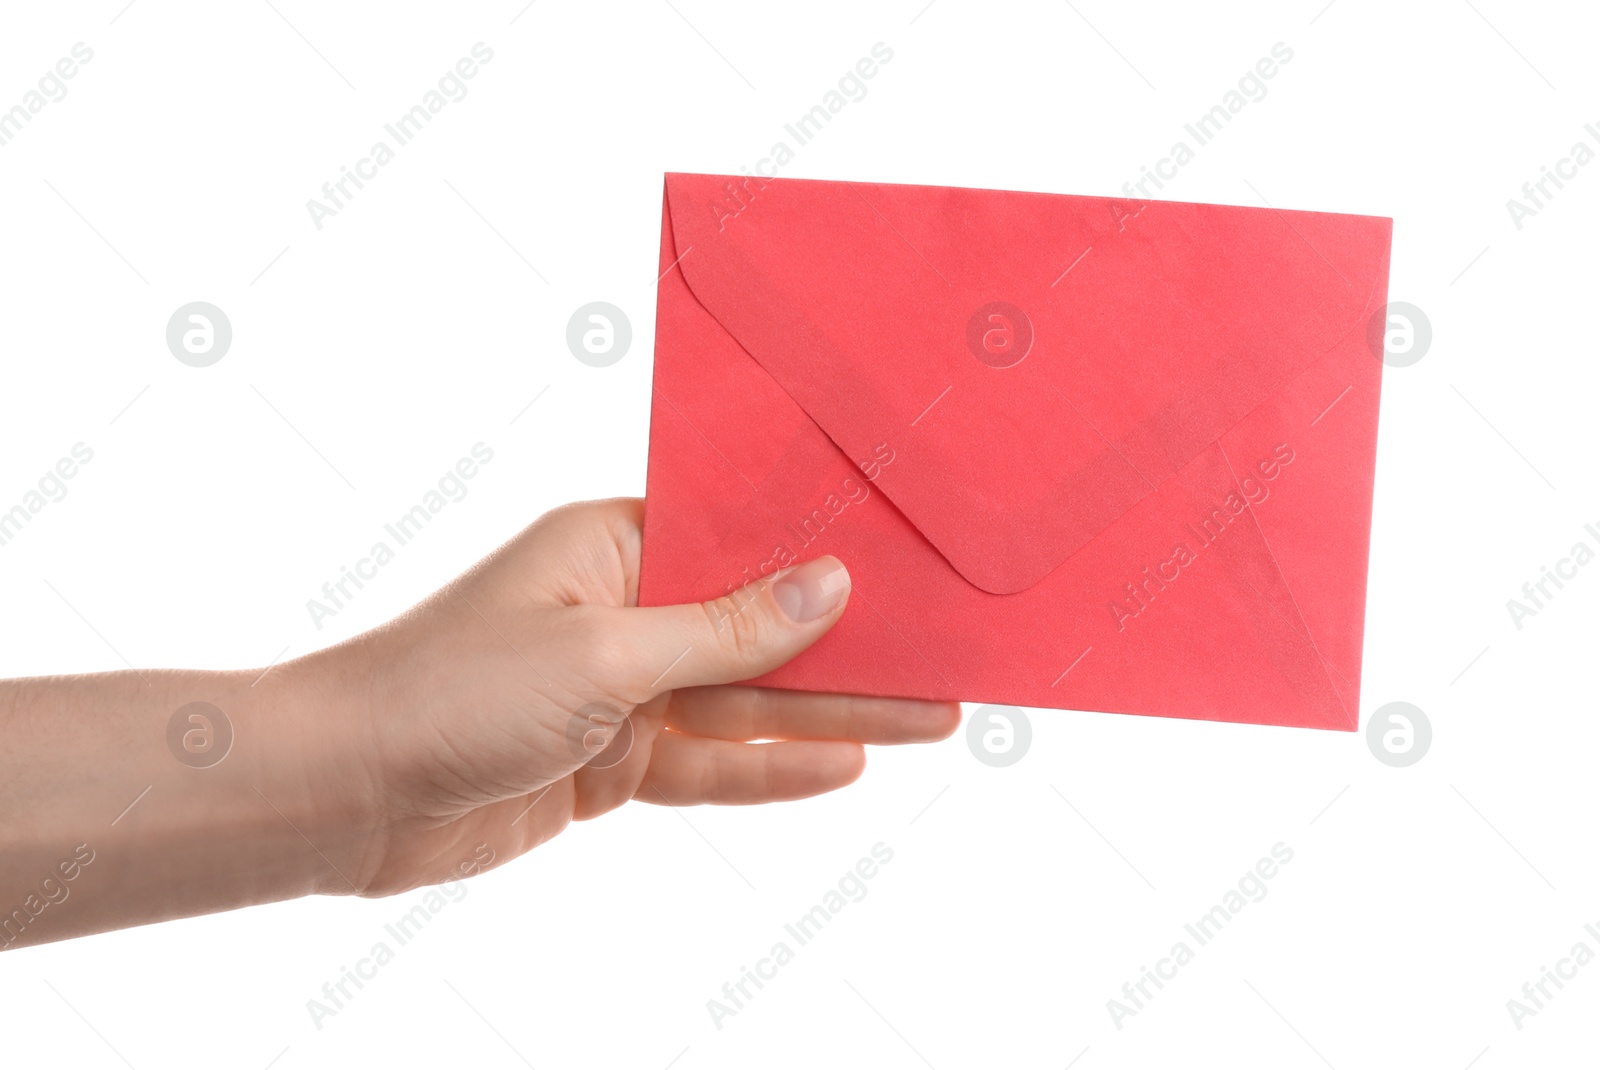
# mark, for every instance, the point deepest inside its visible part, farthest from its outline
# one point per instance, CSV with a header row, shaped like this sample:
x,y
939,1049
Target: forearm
x,y
107,819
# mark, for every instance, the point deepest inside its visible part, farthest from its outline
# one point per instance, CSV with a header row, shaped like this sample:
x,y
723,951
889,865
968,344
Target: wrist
x,y
320,764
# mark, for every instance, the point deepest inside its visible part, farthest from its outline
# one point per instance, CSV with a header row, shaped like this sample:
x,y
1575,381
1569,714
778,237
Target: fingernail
x,y
812,590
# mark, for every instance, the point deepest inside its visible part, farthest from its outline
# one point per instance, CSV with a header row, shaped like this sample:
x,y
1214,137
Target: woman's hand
x,y
532,691
529,692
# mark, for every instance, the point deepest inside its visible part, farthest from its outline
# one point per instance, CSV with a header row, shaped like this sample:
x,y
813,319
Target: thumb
x,y
742,634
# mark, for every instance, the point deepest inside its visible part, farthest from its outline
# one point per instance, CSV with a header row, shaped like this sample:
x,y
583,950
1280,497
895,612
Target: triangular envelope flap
x,y
1034,363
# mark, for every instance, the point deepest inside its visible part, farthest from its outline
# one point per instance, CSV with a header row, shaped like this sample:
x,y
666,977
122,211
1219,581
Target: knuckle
x,y
766,718
737,624
597,650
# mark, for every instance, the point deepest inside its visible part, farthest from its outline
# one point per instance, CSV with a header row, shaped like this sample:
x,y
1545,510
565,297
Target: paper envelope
x,y
1076,452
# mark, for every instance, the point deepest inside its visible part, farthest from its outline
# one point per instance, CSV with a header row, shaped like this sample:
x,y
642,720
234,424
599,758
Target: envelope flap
x,y
1031,364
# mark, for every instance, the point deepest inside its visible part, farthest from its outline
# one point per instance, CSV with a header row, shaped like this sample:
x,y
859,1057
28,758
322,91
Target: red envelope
x,y
1076,452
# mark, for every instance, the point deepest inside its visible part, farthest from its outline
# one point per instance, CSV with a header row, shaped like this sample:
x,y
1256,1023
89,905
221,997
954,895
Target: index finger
x,y
744,713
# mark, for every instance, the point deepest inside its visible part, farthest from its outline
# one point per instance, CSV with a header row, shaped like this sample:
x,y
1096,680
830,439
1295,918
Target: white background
x,y
415,324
